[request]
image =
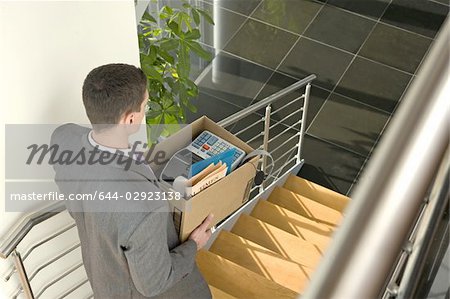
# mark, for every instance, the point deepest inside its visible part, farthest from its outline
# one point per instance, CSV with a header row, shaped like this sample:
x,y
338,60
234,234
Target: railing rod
x,y
23,276
70,249
426,231
70,270
266,142
255,137
73,289
251,126
288,104
399,267
29,250
284,131
396,179
278,122
267,101
68,227
254,188
303,124
275,176
284,143
283,155
12,240
18,292
10,274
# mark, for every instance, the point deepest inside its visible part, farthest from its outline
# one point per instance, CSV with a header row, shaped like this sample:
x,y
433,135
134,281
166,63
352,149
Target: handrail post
x,y
303,122
266,142
22,275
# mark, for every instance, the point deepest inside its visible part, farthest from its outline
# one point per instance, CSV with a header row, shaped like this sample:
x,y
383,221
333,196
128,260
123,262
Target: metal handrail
x,y
249,127
74,288
33,247
52,260
396,180
265,102
278,122
426,231
291,127
8,244
288,104
54,281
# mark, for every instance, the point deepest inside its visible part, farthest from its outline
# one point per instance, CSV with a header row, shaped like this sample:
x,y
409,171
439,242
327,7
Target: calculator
x,y
207,145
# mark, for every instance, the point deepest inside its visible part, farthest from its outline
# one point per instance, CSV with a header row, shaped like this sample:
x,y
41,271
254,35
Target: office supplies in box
x,y
222,198
188,179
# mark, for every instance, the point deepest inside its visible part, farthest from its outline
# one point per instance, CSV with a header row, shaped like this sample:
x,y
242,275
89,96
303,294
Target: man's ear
x,y
127,119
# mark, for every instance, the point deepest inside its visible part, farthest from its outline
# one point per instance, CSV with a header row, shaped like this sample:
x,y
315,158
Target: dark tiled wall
x,y
364,53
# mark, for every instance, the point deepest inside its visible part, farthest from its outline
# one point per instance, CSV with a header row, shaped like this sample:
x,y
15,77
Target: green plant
x,y
165,43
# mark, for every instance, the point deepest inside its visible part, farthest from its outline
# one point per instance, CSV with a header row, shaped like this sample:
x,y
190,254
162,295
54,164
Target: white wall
x,y
46,50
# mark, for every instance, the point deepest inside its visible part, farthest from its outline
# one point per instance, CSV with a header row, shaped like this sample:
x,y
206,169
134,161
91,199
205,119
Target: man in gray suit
x,y
129,246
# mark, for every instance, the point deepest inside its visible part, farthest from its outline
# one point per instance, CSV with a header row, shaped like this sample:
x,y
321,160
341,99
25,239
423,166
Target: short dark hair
x,y
111,90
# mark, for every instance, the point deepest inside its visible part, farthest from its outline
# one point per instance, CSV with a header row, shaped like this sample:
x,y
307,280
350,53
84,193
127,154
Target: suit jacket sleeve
x,y
153,267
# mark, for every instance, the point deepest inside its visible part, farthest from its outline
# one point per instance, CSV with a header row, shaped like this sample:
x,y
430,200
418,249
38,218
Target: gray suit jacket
x,y
130,249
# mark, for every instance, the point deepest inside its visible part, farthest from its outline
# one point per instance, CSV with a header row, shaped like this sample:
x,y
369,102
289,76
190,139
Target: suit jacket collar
x,y
121,160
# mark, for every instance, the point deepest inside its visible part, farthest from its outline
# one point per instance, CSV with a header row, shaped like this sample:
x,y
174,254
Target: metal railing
x,y
263,137
391,191
404,285
268,139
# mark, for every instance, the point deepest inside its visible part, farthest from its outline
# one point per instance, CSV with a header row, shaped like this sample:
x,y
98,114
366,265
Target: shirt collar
x,y
124,151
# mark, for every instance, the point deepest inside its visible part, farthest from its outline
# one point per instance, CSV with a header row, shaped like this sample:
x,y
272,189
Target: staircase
x,y
273,252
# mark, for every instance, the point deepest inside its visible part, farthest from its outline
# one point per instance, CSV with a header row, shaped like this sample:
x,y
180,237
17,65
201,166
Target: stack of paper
x,y
208,176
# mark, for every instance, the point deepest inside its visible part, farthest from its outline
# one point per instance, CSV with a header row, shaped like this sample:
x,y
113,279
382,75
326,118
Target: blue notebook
x,y
225,157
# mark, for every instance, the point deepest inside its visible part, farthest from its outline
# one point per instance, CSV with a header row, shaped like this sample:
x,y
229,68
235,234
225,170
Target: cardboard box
x,y
223,197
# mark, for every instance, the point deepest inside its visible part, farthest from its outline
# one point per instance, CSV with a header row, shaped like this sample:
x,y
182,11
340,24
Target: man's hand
x,y
202,234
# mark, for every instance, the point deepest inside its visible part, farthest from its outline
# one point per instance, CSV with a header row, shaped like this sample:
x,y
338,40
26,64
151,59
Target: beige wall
x,y
46,50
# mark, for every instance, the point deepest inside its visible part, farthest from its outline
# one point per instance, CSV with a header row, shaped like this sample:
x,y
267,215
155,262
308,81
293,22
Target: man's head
x,y
115,94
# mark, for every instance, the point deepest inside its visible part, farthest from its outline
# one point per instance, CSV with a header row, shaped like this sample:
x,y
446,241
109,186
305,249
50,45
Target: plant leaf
x,y
153,114
169,44
206,15
166,56
191,107
166,102
183,65
174,109
174,27
154,106
186,19
168,10
195,16
148,17
202,53
194,34
151,72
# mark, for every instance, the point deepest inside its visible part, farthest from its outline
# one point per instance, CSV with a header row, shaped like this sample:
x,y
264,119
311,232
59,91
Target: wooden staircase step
x,y
261,260
306,207
238,281
275,239
317,193
300,226
219,294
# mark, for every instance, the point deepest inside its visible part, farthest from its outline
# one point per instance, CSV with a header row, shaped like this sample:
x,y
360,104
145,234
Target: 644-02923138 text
x,y
102,196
